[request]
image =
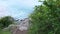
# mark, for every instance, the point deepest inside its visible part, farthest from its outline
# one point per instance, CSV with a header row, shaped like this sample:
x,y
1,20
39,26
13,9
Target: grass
x,y
5,32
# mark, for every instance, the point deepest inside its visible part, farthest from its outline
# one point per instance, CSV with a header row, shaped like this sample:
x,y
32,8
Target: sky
x,y
17,8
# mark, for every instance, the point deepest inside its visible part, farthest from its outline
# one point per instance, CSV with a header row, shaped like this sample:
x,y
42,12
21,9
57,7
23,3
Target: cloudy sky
x,y
17,8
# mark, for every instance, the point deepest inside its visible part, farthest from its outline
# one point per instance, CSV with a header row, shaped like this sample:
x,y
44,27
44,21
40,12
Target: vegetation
x,y
5,32
46,18
5,21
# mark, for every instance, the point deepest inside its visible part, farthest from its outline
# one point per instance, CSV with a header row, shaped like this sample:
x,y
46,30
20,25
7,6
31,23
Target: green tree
x,y
46,18
5,21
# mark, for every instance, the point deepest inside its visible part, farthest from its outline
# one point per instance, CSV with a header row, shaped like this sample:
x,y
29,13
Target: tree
x,y
6,21
46,18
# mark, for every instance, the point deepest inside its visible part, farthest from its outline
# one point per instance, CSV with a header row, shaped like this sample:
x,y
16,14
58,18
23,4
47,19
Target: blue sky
x,y
17,8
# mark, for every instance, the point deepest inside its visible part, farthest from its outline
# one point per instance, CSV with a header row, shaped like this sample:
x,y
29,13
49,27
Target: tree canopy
x,y
6,21
46,18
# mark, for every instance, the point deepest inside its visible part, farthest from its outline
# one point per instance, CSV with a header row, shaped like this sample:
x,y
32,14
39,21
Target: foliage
x,y
46,18
5,21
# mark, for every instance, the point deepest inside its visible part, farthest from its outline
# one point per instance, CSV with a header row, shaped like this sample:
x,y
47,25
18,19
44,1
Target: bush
x,y
46,18
6,21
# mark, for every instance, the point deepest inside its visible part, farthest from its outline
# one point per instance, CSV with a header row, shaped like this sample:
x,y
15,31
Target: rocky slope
x,y
20,27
